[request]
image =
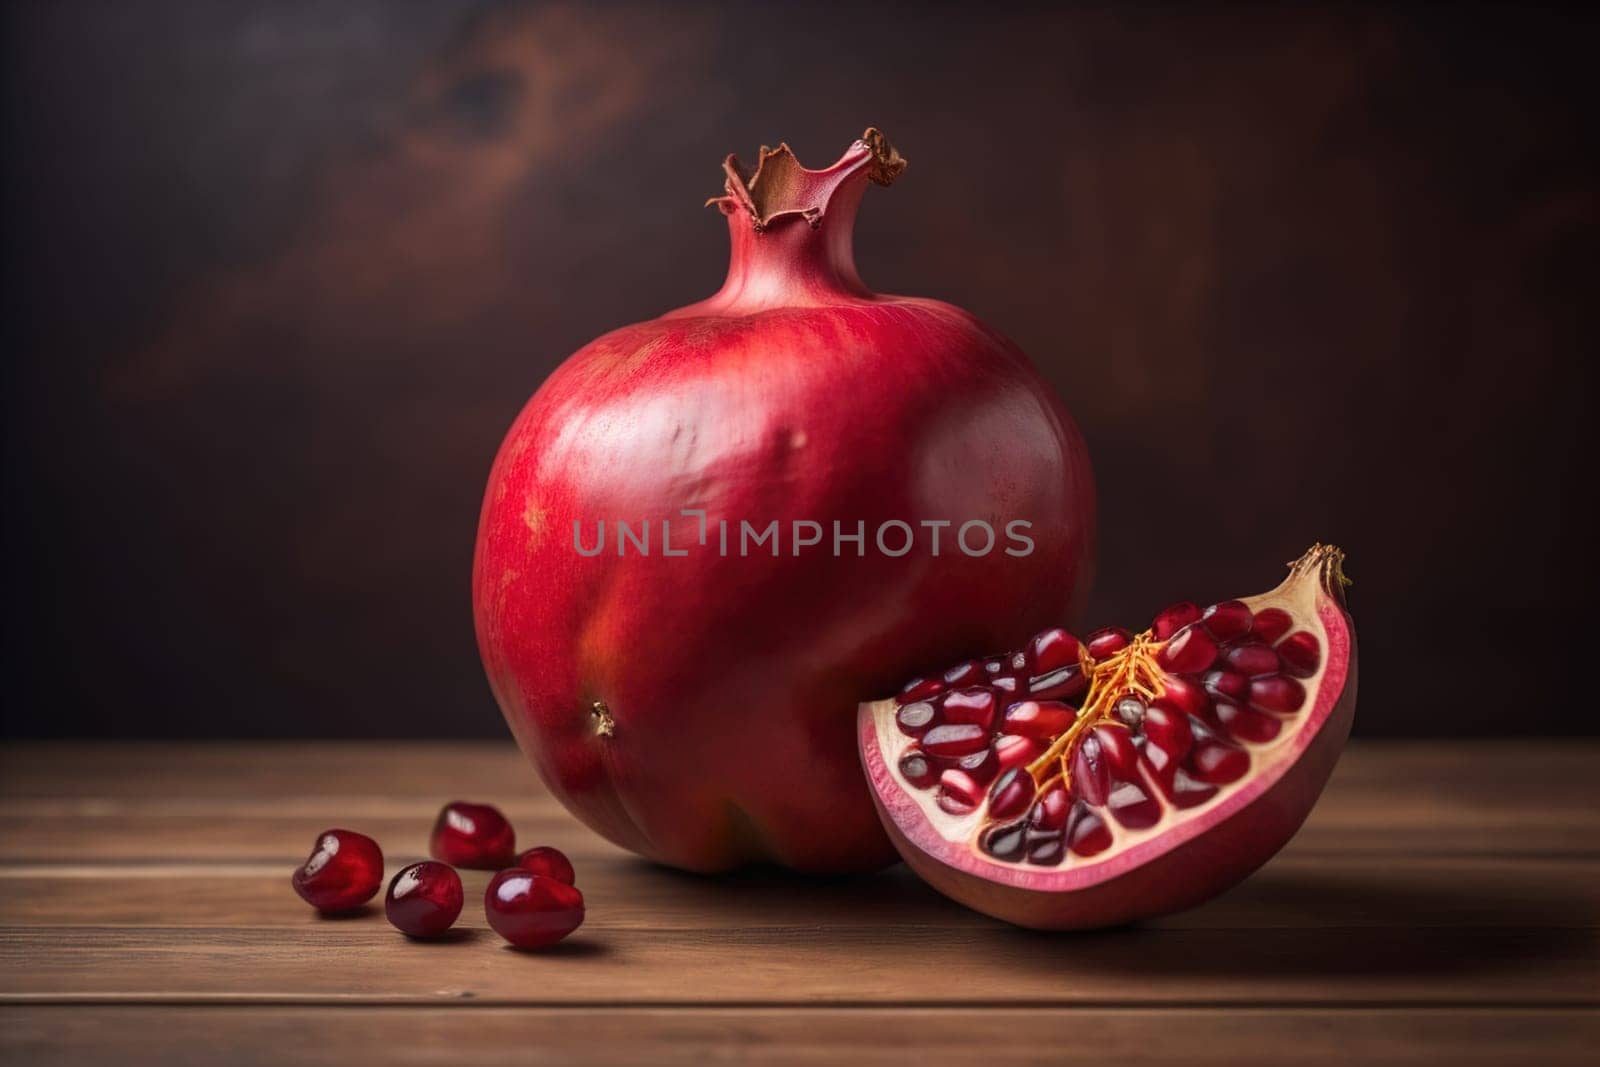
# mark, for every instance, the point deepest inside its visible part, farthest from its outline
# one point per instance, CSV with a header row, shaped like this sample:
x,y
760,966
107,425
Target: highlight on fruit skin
x,y
1084,783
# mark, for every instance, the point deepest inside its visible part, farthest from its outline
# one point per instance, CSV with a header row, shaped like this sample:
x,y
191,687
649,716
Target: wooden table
x,y
1441,905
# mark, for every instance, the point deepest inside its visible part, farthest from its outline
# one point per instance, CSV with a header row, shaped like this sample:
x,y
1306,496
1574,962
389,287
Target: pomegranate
x,y
424,899
550,862
707,535
1126,775
472,835
530,910
342,873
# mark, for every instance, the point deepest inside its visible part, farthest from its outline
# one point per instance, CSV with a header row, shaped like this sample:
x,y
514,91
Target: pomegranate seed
x,y
472,835
1302,653
1064,684
1007,685
915,719
916,770
530,910
342,873
1186,792
1012,794
1039,719
1227,620
1191,649
424,899
1117,748
1218,763
955,739
993,666
1168,731
982,765
968,673
1132,806
1271,624
1247,725
1129,711
1051,651
1184,695
1276,693
1173,618
1010,751
1004,842
1046,850
970,705
1049,812
960,787
1090,834
1252,661
550,862
1090,779
1226,685
920,689
1108,642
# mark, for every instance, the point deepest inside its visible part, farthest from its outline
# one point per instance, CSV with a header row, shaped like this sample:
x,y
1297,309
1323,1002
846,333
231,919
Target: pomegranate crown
x,y
781,188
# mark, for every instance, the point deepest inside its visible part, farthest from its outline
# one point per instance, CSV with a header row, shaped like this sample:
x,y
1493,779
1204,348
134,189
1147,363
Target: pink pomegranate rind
x,y
1187,856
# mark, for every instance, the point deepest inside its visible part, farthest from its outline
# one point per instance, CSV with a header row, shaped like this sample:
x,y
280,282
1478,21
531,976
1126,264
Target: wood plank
x,y
1293,891
363,960
180,1036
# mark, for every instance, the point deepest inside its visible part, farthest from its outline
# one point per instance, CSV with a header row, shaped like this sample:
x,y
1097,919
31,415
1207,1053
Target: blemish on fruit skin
x,y
533,517
798,439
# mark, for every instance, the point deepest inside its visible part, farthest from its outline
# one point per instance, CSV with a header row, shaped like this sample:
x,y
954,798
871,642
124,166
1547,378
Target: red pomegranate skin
x,y
726,685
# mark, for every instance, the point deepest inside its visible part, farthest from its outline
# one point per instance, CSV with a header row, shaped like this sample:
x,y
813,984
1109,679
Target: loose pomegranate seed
x,y
920,689
1217,763
1063,684
1247,725
1252,661
1108,642
1051,651
1049,812
1185,696
1271,624
915,719
1012,794
982,765
424,899
968,673
550,862
1046,850
1129,711
915,769
1226,685
1302,653
1004,842
1276,693
343,871
970,705
472,835
530,910
1173,618
1191,649
1132,806
955,739
1227,620
1039,719
1011,751
1089,834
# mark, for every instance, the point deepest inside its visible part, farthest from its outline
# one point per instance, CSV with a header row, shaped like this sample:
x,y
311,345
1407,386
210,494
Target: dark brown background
x,y
278,276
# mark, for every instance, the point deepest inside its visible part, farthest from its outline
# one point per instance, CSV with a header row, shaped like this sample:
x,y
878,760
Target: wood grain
x,y
1442,902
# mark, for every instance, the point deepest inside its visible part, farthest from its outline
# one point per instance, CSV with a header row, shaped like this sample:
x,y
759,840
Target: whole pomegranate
x,y
708,535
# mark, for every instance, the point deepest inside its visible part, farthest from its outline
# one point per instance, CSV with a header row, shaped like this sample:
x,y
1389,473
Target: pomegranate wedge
x,y
1161,767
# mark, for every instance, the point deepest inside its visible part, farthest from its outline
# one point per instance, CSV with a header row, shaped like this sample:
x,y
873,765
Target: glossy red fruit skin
x,y
530,910
1172,871
475,836
343,872
760,403
550,862
424,900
